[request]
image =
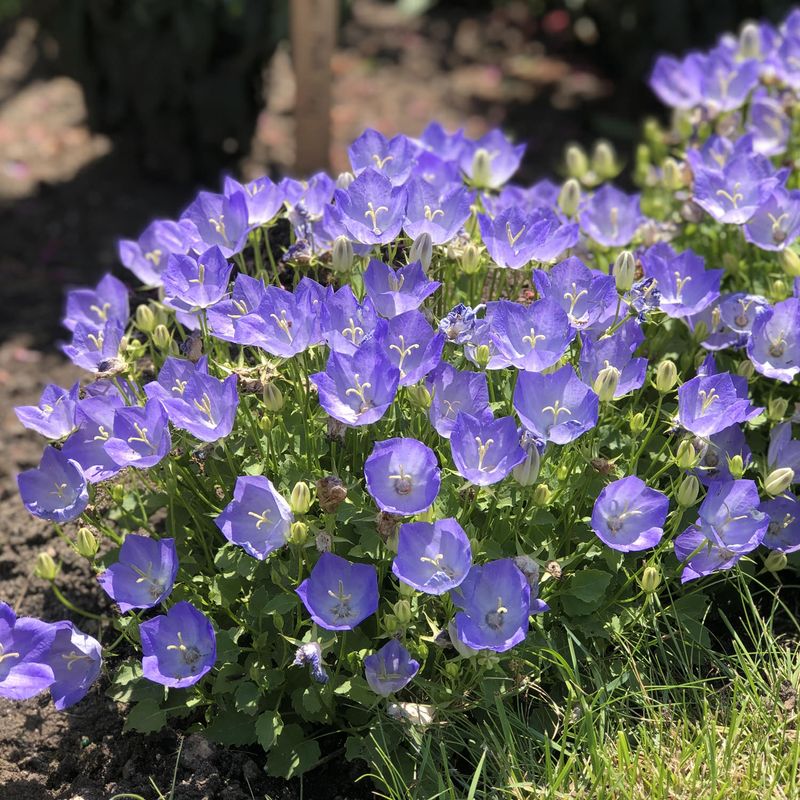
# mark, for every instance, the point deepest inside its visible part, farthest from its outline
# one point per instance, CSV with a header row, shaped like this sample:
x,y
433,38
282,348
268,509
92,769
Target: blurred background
x,y
114,112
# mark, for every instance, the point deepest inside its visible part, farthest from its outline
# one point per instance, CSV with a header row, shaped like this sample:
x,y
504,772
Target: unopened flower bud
x,y
422,250
402,610
342,254
638,423
606,382
45,568
470,259
404,590
666,376
673,178
86,543
604,160
776,409
298,533
650,579
272,397
331,493
145,319
482,355
778,481
688,491
323,542
482,168
117,493
391,624
779,290
624,270
745,369
526,472
750,41
161,336
775,561
134,349
790,261
686,457
300,500
569,197
542,495
736,466
419,395
344,180
452,669
576,161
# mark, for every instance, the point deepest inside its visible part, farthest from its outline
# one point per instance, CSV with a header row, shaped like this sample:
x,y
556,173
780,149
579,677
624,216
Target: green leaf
x,y
292,755
268,728
232,728
247,697
589,585
146,717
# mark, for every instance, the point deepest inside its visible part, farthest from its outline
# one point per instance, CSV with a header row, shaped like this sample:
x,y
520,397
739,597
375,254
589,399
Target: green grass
x,y
677,715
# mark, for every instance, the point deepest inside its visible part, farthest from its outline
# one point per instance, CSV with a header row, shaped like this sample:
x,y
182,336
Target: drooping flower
x,y
729,526
402,476
56,490
143,574
54,415
556,407
390,669
783,531
454,391
432,557
357,389
439,214
531,337
708,404
339,595
147,257
412,346
258,519
24,643
372,209
140,437
75,659
310,655
611,217
686,286
495,602
86,446
346,323
262,197
628,515
221,221
95,307
491,160
485,450
393,292
392,158
615,351
774,344
178,647
195,283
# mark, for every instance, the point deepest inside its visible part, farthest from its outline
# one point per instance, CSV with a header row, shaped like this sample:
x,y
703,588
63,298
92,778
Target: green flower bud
x,y
775,561
422,250
778,481
482,168
673,179
736,466
576,161
776,408
45,568
404,590
161,336
749,41
686,457
117,493
638,423
391,624
526,473
402,610
298,533
300,500
624,270
745,369
470,259
344,180
86,543
688,491
666,376
145,319
419,396
273,398
790,262
604,160
569,197
135,349
482,355
542,495
342,254
452,669
779,290
606,382
650,579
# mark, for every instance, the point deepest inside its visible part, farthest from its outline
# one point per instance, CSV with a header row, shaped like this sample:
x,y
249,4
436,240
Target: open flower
x,y
221,221
708,404
195,283
338,594
54,415
86,446
178,647
141,435
147,257
144,573
491,160
783,532
412,346
56,490
95,307
24,643
454,391
441,214
346,323
432,557
390,669
75,659
485,450
615,351
262,197
372,209
394,292
402,476
774,345
392,158
611,217
258,519
628,515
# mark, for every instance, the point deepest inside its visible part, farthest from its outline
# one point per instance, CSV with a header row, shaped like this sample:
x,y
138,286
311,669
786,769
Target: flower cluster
x,y
474,375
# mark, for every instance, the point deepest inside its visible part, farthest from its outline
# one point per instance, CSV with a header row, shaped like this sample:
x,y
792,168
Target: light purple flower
x,y
262,197
394,292
24,643
339,595
178,647
390,669
94,349
769,124
447,146
716,451
503,159
739,311
258,519
140,437
611,217
393,158
346,323
237,318
95,307
432,557
54,415
86,446
221,221
372,209
707,405
437,172
485,450
776,223
75,659
147,257
191,284
678,83
412,346
616,351
783,451
431,211
629,516
783,532
402,476
454,391
774,345
56,490
143,574
286,326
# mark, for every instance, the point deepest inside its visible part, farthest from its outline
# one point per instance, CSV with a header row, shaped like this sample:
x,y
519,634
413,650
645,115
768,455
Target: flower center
x,y
495,618
403,483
